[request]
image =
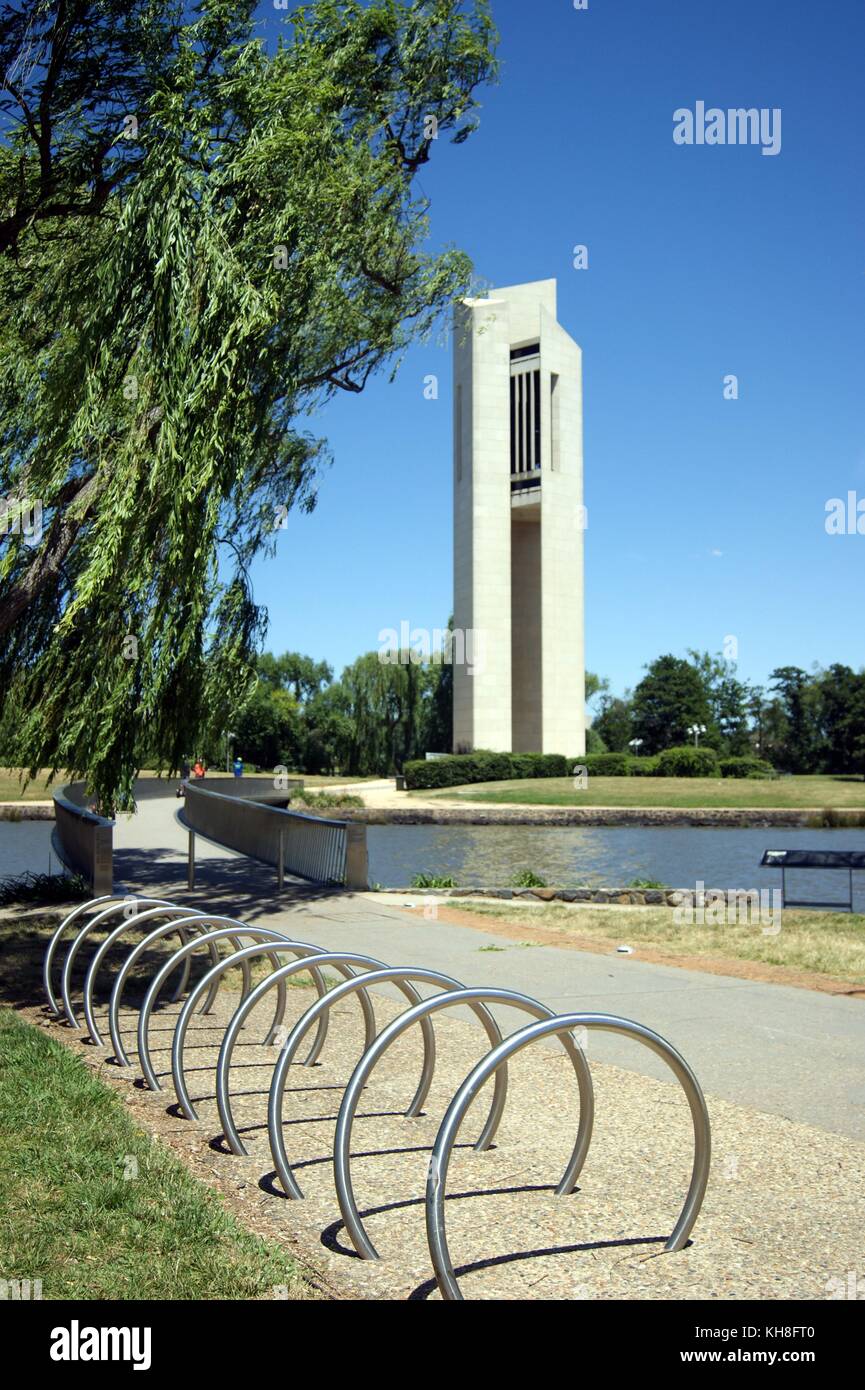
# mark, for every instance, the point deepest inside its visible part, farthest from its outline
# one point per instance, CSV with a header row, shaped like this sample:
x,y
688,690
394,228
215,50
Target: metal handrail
x,y
489,1066
84,841
311,847
475,997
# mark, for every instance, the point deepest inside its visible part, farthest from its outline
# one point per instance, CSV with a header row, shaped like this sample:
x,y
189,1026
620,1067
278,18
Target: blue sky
x,y
706,515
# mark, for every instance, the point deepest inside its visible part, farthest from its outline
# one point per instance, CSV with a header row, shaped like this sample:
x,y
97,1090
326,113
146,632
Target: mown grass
x,y
827,943
41,787
809,793
94,1209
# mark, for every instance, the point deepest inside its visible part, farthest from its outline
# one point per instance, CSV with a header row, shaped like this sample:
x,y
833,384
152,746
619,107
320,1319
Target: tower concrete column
x,y
518,526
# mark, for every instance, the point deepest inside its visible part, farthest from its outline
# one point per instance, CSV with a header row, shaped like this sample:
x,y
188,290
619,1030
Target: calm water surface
x,y
25,847
607,856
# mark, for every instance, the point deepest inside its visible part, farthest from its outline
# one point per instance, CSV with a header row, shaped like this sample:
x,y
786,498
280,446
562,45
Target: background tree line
x,y
369,722
379,714
803,722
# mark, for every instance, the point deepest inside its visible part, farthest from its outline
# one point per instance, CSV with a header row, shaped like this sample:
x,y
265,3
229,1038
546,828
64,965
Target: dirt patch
x,y
655,955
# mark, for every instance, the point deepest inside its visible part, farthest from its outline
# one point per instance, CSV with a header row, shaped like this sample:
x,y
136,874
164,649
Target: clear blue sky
x,y
706,515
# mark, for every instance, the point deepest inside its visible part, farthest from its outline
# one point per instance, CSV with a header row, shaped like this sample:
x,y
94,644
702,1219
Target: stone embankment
x,y
730,818
627,897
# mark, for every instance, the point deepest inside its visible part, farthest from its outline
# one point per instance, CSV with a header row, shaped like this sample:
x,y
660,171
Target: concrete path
x,y
786,1051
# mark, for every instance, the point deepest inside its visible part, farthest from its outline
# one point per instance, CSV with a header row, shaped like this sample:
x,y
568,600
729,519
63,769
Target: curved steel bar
x,y
269,935
93,905
231,931
186,915
396,975
310,962
440,1158
273,942
51,948
153,905
196,921
342,960
477,998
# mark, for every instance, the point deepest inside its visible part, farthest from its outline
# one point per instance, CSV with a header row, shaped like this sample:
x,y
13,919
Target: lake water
x,y
25,847
607,856
564,856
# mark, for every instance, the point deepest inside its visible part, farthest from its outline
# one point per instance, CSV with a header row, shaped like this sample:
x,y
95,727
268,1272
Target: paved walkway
x,y
786,1051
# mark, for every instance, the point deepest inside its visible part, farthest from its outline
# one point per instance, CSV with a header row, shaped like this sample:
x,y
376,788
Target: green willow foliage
x,y
177,292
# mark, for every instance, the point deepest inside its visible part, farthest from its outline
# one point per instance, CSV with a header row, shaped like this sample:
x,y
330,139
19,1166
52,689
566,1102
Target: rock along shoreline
x,y
735,817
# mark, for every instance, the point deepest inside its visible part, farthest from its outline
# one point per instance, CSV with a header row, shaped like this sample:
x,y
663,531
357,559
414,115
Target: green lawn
x,y
40,789
792,792
828,943
12,790
94,1209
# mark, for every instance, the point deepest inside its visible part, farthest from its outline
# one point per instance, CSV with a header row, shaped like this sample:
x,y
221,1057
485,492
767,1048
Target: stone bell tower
x,y
518,525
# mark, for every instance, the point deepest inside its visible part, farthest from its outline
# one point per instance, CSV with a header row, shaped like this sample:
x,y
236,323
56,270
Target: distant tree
x,y
727,699
301,675
594,742
329,731
613,723
595,685
388,708
669,698
440,711
269,730
842,718
798,694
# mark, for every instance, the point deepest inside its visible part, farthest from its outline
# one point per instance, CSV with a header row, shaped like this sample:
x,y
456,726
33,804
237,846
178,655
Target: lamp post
x,y
636,744
696,730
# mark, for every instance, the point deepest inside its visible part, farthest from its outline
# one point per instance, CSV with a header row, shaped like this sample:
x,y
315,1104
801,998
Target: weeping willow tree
x,y
200,243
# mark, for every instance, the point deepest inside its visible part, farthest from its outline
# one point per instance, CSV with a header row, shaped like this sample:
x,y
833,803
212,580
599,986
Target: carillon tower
x,y
518,525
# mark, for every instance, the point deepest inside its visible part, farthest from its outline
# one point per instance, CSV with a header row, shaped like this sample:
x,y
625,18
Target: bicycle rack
x,y
202,931
342,1142
343,961
99,905
489,1065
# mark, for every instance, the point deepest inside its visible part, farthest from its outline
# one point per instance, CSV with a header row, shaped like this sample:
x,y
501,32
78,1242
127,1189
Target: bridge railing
x,y
85,842
325,851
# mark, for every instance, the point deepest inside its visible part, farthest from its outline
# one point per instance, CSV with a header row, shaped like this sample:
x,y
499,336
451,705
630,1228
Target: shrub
x,y
745,767
482,766
525,878
643,767
44,888
433,881
686,761
325,801
604,764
